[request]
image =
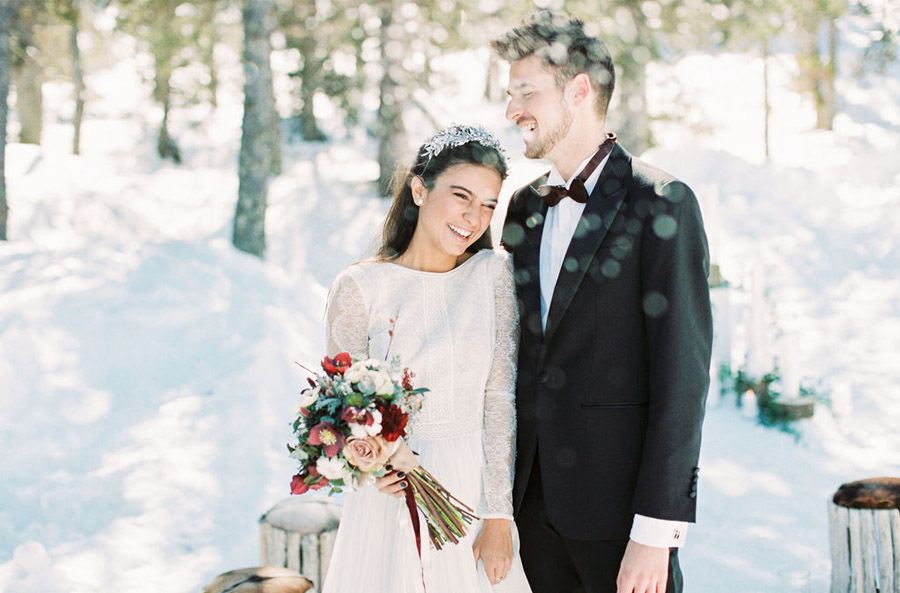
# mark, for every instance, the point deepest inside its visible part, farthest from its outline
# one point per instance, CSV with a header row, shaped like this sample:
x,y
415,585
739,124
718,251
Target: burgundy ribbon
x,y
414,517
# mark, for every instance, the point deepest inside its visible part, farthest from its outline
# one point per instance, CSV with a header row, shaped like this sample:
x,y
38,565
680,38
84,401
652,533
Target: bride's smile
x,y
453,215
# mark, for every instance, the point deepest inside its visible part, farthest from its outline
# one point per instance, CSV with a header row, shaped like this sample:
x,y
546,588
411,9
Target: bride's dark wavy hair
x,y
403,215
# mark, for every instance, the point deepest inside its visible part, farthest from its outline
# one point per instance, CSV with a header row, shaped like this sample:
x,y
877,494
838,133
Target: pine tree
x,y
257,143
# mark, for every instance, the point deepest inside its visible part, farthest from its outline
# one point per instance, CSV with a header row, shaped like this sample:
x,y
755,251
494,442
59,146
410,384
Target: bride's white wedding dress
x,y
457,331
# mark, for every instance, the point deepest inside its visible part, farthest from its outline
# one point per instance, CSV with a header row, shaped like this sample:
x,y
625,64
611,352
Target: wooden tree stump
x,y
299,534
864,526
259,579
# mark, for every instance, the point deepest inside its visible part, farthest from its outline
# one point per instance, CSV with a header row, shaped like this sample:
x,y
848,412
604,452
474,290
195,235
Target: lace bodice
x,y
457,331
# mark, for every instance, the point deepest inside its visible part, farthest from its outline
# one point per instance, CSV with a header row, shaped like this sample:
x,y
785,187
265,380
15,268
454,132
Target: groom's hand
x,y
644,569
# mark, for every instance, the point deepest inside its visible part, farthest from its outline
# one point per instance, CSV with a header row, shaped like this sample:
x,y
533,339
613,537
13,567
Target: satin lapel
x,y
598,216
534,228
530,223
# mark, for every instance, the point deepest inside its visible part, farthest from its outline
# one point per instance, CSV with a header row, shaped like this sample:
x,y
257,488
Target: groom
x,y
611,264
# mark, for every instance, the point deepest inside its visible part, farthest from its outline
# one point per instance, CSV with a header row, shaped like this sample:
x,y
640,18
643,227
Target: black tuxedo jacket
x,y
611,396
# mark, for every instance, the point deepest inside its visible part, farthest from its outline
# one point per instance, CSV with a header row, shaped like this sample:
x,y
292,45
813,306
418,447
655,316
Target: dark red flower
x,y
393,422
337,365
328,437
320,482
357,416
298,486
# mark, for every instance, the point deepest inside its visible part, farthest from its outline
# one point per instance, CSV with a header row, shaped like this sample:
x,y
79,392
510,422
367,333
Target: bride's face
x,y
458,209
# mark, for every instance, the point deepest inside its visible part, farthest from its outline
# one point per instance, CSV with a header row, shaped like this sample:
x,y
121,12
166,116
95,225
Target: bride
x,y
438,296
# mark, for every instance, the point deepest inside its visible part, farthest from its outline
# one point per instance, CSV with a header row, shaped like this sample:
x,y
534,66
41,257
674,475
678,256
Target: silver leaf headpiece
x,y
457,135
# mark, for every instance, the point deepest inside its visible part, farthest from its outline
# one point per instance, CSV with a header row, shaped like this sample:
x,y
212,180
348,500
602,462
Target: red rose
x,y
298,486
393,422
337,365
320,482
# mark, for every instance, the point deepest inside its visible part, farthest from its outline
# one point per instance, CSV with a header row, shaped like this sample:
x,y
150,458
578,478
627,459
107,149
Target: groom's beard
x,y
548,141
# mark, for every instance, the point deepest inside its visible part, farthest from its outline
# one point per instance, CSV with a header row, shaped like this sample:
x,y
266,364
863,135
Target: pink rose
x,y
367,454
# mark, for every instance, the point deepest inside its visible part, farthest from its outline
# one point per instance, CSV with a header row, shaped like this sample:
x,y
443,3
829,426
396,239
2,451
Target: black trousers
x,y
555,564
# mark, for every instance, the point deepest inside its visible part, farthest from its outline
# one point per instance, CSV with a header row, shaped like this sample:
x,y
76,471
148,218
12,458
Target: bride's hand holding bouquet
x,y
350,430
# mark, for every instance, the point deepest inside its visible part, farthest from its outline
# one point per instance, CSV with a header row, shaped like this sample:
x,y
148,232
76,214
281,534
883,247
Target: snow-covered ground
x,y
147,366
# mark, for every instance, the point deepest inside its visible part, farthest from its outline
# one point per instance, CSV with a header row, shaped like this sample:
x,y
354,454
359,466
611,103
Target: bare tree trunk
x,y
208,51
632,122
5,25
165,144
77,76
389,127
309,77
830,75
255,159
767,108
633,125
29,98
492,79
812,69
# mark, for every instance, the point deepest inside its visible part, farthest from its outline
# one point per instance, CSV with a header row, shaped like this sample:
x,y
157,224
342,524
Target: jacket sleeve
x,y
678,333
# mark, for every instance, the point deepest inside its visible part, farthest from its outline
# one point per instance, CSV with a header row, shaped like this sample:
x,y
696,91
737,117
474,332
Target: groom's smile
x,y
537,106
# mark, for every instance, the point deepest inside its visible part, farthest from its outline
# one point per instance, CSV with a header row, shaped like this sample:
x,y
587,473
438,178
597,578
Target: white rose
x,y
384,385
375,428
358,430
366,383
331,467
308,397
355,372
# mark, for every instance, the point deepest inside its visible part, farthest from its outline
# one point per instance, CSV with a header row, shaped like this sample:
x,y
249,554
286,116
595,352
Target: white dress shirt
x,y
559,227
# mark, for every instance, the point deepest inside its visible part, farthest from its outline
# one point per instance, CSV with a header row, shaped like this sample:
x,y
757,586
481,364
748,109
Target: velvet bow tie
x,y
552,194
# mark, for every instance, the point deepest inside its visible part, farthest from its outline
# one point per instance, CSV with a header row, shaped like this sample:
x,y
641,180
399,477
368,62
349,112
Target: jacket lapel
x,y
598,216
528,271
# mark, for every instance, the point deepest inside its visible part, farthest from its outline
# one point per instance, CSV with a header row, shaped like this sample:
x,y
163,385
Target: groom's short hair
x,y
561,43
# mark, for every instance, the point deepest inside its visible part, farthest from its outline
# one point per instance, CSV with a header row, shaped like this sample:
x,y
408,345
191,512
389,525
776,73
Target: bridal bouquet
x,y
351,420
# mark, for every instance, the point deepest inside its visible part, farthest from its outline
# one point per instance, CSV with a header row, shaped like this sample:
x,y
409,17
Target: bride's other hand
x,y
404,459
392,484
495,548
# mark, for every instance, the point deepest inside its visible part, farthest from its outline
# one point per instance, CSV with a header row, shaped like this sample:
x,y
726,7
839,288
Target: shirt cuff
x,y
658,533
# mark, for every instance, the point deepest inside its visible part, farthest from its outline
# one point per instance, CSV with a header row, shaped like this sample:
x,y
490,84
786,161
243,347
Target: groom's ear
x,y
579,89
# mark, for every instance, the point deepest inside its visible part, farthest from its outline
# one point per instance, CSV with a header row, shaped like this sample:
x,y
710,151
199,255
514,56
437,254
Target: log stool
x,y
864,529
298,533
259,579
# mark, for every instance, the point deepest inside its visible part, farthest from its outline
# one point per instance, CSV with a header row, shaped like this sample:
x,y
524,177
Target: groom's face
x,y
537,106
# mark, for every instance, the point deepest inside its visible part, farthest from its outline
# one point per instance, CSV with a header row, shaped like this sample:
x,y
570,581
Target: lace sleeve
x,y
346,318
499,400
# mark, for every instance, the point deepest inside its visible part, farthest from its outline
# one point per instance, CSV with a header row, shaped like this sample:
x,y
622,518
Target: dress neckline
x,y
426,273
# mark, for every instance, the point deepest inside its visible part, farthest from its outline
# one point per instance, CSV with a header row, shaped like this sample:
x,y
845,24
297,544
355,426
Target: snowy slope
x,y
148,366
